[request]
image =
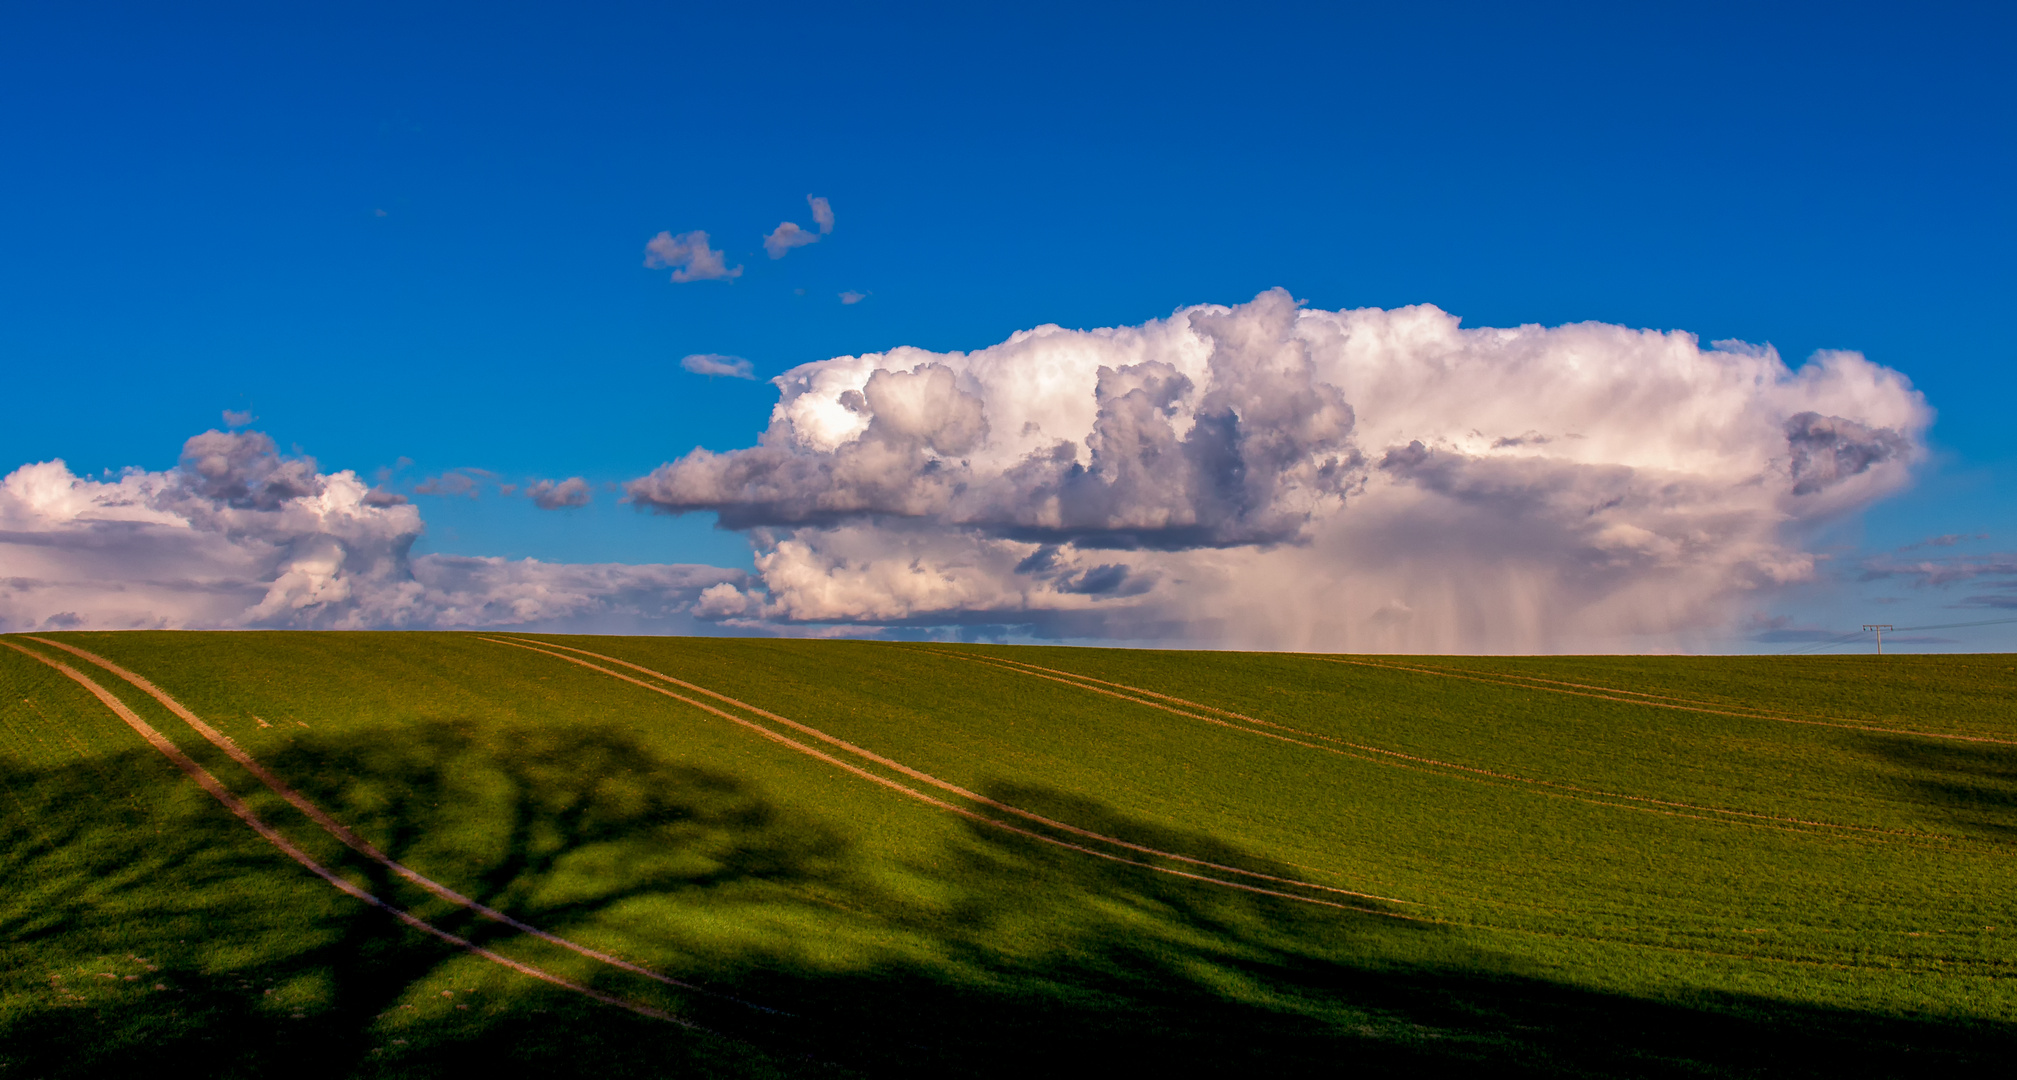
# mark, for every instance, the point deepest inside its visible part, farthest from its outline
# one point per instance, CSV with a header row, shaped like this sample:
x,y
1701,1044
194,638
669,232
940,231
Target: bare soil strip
x,y
1610,695
944,785
961,810
364,847
231,802
1653,805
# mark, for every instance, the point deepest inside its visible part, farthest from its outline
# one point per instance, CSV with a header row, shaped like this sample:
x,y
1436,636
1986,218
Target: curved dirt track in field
x,y
1453,770
364,847
1659,701
217,790
231,802
944,785
545,647
1568,935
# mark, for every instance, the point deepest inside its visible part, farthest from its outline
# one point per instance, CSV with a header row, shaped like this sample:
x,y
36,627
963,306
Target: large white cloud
x,y
1269,476
1260,475
241,536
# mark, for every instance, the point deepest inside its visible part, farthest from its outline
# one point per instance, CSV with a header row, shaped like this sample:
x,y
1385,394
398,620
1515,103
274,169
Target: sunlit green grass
x,y
1588,884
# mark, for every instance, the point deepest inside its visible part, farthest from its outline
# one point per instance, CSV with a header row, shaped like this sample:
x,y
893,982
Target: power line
x,y
1957,625
1844,639
1830,643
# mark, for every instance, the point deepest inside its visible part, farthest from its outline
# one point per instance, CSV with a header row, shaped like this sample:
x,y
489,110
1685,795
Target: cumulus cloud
x,y
560,495
853,297
1829,449
239,535
722,601
462,483
245,472
1271,476
236,419
788,235
785,237
735,367
689,256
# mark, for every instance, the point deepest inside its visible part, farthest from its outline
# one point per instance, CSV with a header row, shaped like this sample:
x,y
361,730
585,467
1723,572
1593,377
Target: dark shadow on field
x,y
122,867
1974,785
1152,972
1013,957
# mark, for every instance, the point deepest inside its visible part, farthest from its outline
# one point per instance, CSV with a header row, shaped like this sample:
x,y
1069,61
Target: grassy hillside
x,y
755,857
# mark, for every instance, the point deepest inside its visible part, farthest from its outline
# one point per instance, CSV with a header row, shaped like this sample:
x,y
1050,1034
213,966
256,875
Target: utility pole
x,y
1879,628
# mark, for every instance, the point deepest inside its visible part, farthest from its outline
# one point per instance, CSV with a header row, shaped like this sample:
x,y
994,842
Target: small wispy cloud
x,y
1782,630
853,297
455,482
385,473
1991,570
235,418
735,367
689,256
789,235
559,495
785,237
1948,540
1943,570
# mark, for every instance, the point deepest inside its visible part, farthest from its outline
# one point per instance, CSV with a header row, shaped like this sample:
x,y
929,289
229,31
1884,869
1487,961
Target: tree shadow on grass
x,y
1124,967
127,878
1972,785
1002,955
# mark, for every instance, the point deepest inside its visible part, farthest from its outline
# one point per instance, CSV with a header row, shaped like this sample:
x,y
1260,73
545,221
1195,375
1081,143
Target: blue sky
x,y
415,231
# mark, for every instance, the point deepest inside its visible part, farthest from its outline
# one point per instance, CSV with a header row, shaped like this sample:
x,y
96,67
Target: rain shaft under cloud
x,y
1269,476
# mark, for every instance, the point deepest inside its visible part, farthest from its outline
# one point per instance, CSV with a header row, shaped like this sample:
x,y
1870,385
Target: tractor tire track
x,y
1592,796
364,847
1492,779
231,802
941,803
1452,923
1609,694
1600,939
944,785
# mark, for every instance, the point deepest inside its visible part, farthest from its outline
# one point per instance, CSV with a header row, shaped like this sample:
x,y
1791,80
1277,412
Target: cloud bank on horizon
x,y
1273,477
240,536
1260,475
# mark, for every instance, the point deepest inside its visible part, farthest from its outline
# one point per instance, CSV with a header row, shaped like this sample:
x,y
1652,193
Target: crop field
x,y
406,854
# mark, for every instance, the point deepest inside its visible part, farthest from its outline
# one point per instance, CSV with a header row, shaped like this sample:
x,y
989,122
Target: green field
x,y
846,858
